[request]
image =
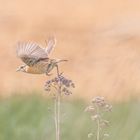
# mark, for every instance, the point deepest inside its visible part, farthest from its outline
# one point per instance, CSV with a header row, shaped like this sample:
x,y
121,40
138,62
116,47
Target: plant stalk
x,y
58,117
98,123
57,108
98,129
55,117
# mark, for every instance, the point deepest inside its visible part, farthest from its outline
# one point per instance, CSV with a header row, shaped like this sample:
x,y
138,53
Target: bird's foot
x,y
61,73
48,74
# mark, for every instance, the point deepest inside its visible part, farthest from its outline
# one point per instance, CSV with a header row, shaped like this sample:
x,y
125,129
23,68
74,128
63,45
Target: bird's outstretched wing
x,y
30,53
50,45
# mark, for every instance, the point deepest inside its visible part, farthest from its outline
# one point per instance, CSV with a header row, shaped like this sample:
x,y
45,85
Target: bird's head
x,y
21,68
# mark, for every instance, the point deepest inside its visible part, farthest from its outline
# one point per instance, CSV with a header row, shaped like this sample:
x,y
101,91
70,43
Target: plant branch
x,y
98,129
61,86
55,117
58,100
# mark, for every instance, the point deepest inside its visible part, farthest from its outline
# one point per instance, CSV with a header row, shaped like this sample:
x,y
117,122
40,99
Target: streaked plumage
x,y
36,58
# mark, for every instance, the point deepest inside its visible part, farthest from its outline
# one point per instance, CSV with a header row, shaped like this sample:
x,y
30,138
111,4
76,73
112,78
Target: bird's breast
x,y
35,70
41,67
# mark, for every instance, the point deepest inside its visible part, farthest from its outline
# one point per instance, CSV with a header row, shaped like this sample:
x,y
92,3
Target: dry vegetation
x,y
100,39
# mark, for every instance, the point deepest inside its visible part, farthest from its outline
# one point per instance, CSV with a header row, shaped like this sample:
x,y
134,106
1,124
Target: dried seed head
x,y
106,135
95,117
66,91
97,99
97,108
104,123
90,135
62,81
108,107
90,109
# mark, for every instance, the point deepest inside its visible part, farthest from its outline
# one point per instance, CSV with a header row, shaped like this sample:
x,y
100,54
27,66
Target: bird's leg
x,y
58,73
57,70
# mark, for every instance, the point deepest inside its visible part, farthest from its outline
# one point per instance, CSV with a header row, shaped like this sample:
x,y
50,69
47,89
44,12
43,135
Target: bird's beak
x,y
18,69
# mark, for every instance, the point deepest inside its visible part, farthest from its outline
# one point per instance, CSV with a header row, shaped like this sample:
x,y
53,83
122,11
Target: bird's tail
x,y
61,60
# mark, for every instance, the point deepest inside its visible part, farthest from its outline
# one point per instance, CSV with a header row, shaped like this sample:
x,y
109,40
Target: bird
x,y
36,59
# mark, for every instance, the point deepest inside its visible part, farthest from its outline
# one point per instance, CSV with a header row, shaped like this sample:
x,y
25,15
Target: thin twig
x,y
98,124
58,106
55,117
98,129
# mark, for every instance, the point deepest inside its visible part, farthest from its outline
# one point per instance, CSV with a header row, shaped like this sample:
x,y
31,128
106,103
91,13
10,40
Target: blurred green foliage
x,y
31,118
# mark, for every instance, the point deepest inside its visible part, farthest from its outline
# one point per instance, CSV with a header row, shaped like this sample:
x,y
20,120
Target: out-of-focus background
x,y
101,40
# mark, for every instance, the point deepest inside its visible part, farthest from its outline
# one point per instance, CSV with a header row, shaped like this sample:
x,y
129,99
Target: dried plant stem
x,y
58,116
57,109
61,86
98,124
55,117
98,130
97,108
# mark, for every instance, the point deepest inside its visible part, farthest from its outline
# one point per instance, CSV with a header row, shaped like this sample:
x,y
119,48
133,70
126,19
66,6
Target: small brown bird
x,y
36,58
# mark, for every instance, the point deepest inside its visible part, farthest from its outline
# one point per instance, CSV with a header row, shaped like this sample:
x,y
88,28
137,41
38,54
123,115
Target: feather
x,y
30,53
50,45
